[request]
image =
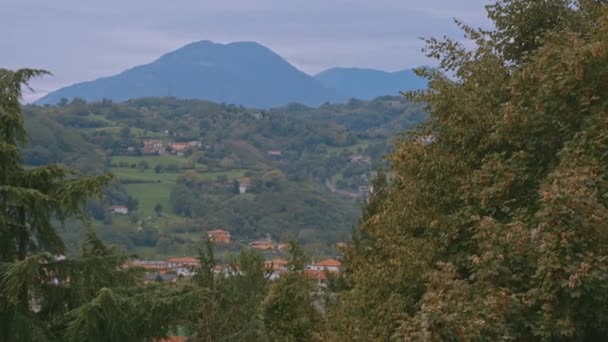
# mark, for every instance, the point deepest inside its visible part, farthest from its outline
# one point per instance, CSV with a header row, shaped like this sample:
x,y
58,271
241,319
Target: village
x,y
173,269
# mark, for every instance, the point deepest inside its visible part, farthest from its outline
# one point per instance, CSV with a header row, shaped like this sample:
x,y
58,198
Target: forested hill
x,y
243,73
183,167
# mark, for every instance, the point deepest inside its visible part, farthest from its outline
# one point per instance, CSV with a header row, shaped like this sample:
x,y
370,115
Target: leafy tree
x,y
493,224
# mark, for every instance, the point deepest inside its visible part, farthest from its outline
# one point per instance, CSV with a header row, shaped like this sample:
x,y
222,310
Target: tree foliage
x,y
493,224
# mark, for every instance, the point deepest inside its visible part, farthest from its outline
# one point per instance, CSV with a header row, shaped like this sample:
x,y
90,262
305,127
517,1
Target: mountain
x,y
244,73
367,84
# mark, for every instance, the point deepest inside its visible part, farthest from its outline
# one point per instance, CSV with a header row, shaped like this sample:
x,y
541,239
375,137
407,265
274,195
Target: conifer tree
x,y
288,310
45,296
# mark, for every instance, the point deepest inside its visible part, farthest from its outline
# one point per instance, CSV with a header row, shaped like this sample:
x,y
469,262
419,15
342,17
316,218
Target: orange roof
x,y
318,275
263,244
279,262
184,260
329,263
276,264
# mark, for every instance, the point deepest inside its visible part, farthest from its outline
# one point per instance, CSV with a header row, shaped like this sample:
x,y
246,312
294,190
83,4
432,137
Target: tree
x,y
231,298
288,310
43,295
143,165
158,209
495,228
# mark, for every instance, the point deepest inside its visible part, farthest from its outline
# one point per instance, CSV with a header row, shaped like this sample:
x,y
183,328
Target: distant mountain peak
x,y
366,84
245,73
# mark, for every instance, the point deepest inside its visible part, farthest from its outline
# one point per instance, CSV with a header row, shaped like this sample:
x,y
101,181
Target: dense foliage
x,y
493,222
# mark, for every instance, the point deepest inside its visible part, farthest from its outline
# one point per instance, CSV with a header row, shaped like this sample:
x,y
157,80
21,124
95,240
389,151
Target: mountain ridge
x,y
243,73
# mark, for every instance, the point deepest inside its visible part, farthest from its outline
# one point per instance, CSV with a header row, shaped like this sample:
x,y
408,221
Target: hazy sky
x,y
82,40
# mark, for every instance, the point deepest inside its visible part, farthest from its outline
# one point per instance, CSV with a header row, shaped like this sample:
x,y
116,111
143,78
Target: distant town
x,y
173,269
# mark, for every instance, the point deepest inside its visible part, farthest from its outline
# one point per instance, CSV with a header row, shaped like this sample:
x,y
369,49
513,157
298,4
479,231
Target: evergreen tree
x,y
43,295
288,310
230,298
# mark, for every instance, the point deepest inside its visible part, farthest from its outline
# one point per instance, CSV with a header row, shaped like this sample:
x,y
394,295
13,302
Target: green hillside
x,y
179,164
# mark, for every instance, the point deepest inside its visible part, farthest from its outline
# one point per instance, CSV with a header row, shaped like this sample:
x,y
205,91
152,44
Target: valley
x,y
185,167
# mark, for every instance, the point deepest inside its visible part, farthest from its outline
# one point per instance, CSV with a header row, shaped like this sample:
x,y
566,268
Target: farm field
x,y
157,187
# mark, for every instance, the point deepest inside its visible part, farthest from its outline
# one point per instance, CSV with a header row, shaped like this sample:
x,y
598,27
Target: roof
x,y
184,260
276,262
279,262
318,275
329,263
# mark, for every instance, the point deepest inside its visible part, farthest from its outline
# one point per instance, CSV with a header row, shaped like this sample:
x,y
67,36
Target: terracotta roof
x,y
276,264
184,260
279,262
329,263
317,275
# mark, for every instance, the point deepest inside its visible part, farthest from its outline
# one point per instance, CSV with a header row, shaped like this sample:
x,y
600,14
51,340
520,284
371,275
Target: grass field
x,y
151,160
148,175
159,191
149,195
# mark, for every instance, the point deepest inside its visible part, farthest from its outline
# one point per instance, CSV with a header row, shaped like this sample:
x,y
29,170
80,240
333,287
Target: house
x,y
226,270
283,247
196,144
151,265
153,146
275,268
219,235
244,184
183,262
184,272
179,147
319,276
119,209
330,265
274,153
277,265
262,245
320,271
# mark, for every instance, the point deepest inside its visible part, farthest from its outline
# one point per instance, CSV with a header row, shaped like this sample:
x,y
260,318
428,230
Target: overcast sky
x,y
82,40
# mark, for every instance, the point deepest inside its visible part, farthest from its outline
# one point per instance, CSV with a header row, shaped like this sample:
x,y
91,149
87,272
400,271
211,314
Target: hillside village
x,y
173,269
